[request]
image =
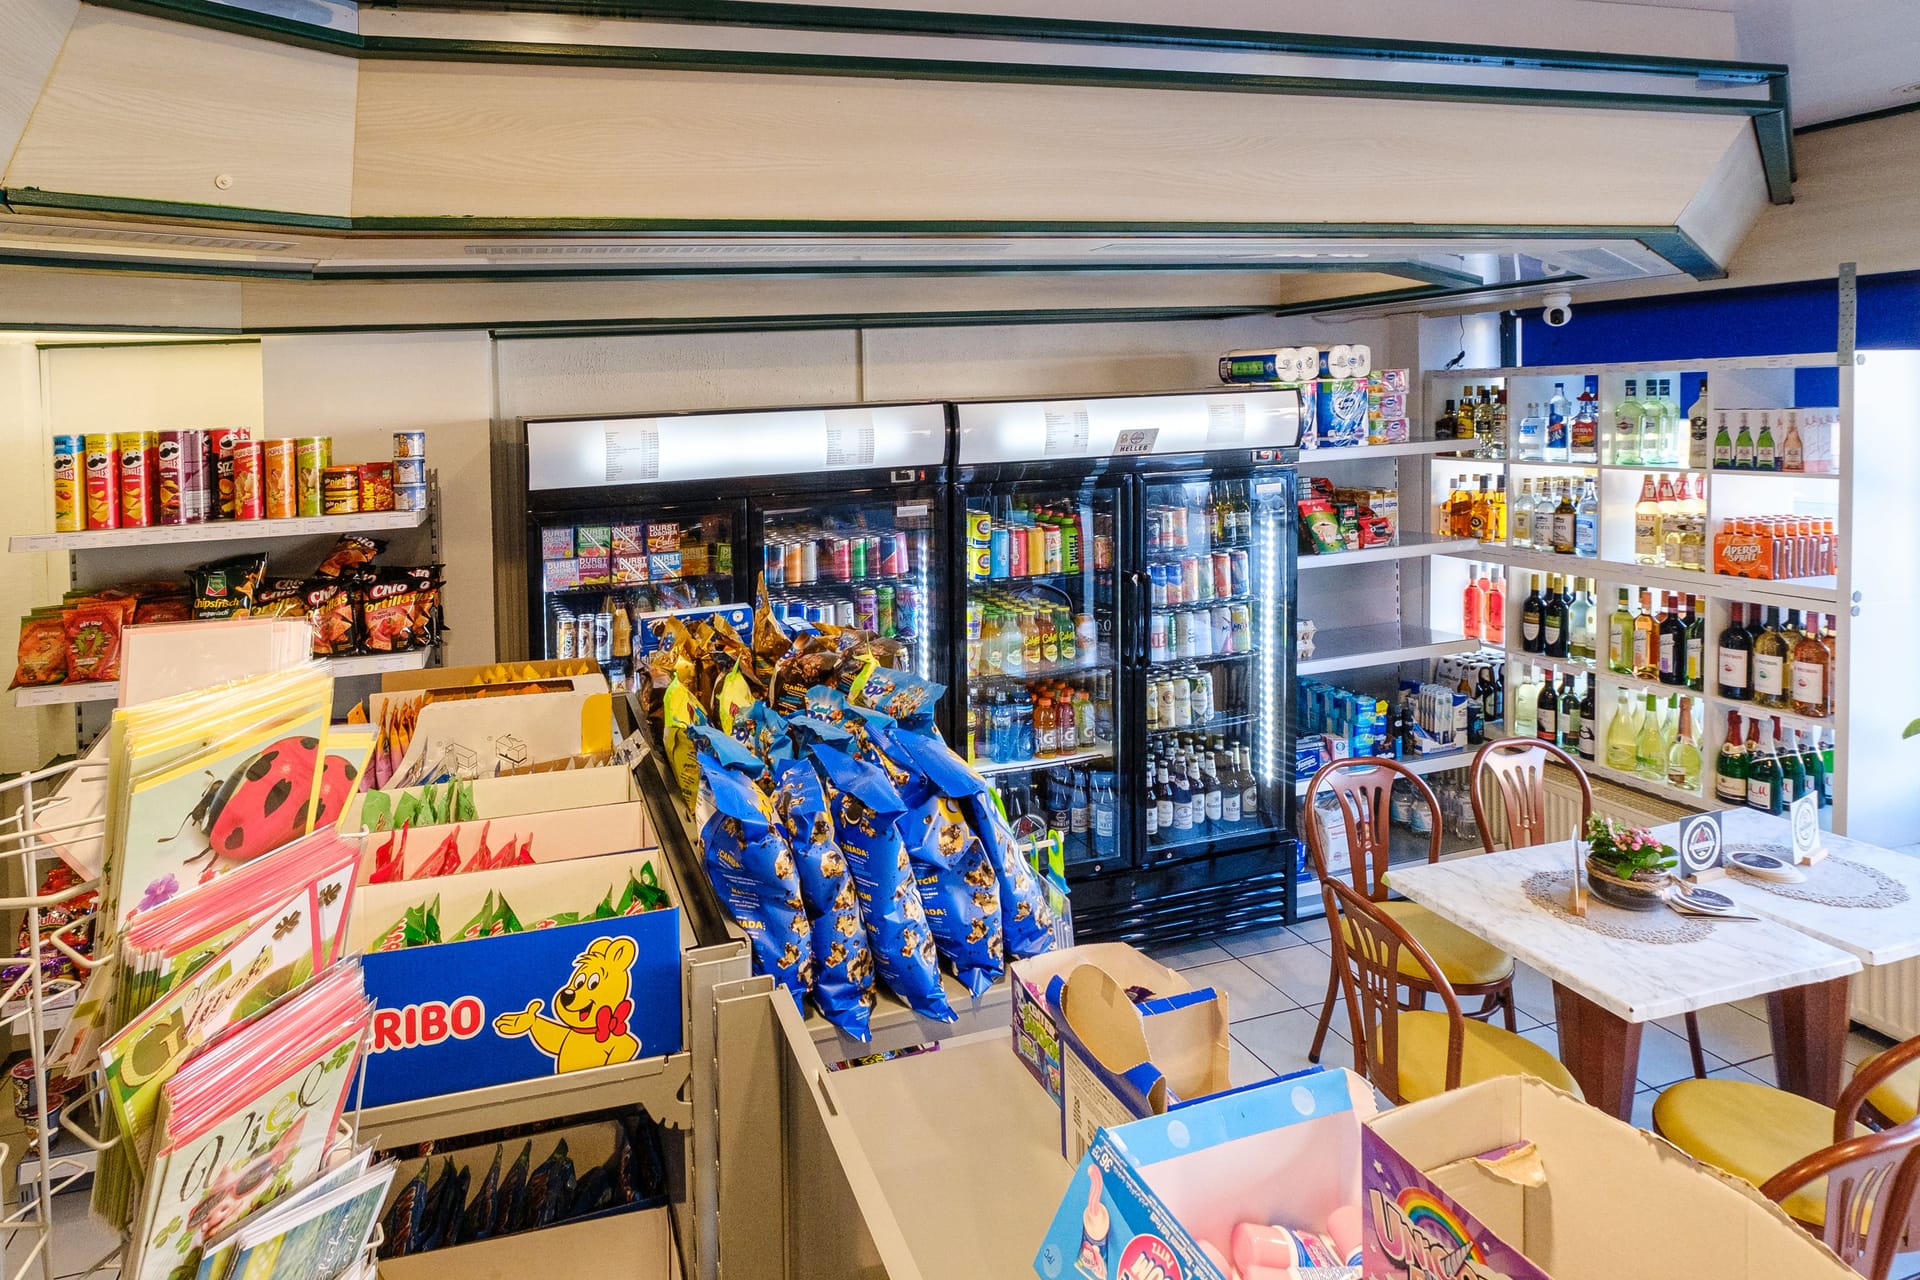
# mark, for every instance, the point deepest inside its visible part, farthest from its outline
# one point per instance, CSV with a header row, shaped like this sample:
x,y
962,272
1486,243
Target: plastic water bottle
x,y
1105,816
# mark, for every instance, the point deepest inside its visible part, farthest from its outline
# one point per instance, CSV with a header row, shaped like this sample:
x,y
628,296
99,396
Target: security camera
x,y
1557,309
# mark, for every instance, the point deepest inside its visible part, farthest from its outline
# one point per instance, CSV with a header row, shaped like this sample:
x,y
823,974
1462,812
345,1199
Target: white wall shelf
x,y
218,531
1410,544
1363,452
108,690
1350,648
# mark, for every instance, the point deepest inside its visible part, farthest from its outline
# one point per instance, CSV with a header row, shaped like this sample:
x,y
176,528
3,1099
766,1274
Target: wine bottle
x,y
1532,618
1763,772
1650,748
1794,782
1673,642
1770,651
1622,734
1730,766
1570,725
1736,656
1646,640
1620,637
1553,620
1589,732
1547,712
1812,672
1683,758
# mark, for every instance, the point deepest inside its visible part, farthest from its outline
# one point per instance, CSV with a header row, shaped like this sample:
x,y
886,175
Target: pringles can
x,y
102,463
312,455
224,441
168,478
139,465
249,496
69,501
279,478
340,491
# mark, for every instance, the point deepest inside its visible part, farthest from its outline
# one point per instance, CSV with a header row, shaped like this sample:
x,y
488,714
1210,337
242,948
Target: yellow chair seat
x,y
1750,1131
1464,960
1486,1053
1898,1096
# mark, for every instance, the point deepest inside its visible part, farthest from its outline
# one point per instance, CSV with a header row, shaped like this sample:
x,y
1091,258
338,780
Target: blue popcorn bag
x,y
747,858
843,962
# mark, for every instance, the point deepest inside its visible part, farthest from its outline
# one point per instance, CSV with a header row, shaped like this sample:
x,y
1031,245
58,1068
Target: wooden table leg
x,y
1601,1049
1809,1026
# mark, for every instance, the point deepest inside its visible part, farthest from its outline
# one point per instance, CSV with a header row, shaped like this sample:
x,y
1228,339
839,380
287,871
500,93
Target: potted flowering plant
x,y
1626,866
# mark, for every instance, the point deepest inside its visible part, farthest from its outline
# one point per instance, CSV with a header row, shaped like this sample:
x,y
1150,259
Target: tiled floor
x,y
1275,980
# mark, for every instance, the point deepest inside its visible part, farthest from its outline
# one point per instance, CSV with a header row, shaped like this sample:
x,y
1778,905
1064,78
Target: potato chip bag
x,y
43,649
843,964
747,859
865,808
680,713
900,694
732,698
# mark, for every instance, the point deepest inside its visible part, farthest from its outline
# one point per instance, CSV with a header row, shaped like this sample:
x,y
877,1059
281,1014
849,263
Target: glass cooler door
x,y
1217,599
1042,626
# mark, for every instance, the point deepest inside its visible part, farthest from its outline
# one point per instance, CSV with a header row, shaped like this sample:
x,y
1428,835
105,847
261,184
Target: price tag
x,y
1702,844
1135,440
850,444
1066,432
1805,817
633,453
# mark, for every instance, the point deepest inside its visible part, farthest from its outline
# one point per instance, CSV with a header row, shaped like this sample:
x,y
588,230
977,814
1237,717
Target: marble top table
x,y
1878,935
1607,988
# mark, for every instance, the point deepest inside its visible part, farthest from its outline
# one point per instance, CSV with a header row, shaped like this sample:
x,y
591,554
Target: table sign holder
x,y
1579,905
1804,816
1702,847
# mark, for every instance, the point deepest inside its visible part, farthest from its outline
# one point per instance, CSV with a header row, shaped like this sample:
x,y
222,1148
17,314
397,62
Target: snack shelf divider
x,y
217,531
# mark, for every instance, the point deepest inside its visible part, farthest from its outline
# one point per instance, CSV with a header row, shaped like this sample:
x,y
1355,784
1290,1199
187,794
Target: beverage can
x,y
1176,520
1017,566
809,561
773,564
279,471
1203,697
1157,637
1153,705
1190,580
909,612
1157,586
866,609
102,463
196,476
249,501
883,614
893,554
139,467
999,554
340,491
1156,528
843,613
563,636
312,455
409,470
1166,704
409,497
1223,574
1223,629
409,444
69,502
1055,549
376,487
979,544
1241,579
1102,551
874,558
790,574
603,637
1241,617
840,559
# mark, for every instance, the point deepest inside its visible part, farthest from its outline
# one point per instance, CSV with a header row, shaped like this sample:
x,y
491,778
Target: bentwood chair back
x,y
1518,770
1873,1188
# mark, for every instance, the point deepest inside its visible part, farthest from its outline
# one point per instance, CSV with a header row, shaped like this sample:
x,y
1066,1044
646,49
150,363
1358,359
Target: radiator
x,y
1887,998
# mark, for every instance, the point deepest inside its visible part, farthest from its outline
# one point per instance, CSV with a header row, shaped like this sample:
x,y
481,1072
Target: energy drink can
x,y
909,611
896,562
409,444
773,564
196,477
563,636
883,615
249,496
809,562
874,558
999,563
602,637
224,442
1239,576
279,472
1241,617
840,559
102,463
69,503
843,613
1223,574
857,566
312,455
979,544
866,609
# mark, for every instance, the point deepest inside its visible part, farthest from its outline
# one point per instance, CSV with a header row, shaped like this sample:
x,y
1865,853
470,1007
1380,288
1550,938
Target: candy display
x,y
420,925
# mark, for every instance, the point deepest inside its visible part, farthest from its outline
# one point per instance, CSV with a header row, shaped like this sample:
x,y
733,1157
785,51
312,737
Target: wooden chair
x,y
1363,787
1518,769
1411,1054
1859,1191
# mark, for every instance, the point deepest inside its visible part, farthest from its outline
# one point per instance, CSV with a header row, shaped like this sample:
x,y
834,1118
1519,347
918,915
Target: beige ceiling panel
x,y
532,142
31,32
37,298
274,304
147,109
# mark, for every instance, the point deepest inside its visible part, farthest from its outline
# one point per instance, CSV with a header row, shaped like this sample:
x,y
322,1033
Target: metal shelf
x,y
218,531
1722,364
1408,545
1440,762
988,768
1051,673
109,690
1402,449
1792,593
654,1083
1347,648
1169,664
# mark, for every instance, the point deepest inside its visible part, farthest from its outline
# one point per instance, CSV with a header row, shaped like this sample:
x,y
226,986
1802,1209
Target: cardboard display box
x,y
557,835
1036,1023
513,794
635,1246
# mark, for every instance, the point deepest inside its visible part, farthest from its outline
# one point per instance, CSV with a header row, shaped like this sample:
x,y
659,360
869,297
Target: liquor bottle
x,y
1667,538
1522,517
1522,705
1488,694
1812,673
1459,511
1473,607
1495,631
1652,431
1696,626
1589,732
1743,446
1736,657
1683,759
1533,619
1570,724
1826,768
1586,523
1564,518
1584,435
1763,772
1699,443
1477,513
1646,640
1580,624
1546,718
1559,446
1794,781
1730,766
1650,748
1620,637
1530,436
1543,508
1497,511
1646,523
1793,453
1623,732
1765,456
1693,538
1674,426
1722,444
1673,642
1446,426
1499,423
1625,447
1816,768
1483,425
1770,658
1553,620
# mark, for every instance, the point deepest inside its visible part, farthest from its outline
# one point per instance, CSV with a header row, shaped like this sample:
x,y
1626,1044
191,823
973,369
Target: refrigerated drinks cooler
x,y
843,508
1128,657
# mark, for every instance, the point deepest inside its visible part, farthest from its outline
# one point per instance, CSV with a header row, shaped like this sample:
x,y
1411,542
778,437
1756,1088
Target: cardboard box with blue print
x,y
1036,1020
1124,1057
519,973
